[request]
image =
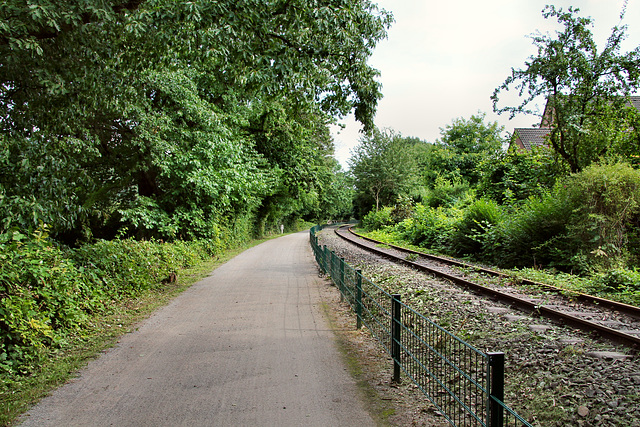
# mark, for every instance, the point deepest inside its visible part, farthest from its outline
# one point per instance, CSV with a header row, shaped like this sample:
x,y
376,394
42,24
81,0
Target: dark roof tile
x,y
532,136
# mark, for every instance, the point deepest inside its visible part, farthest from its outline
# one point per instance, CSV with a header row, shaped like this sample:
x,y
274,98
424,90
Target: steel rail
x,y
627,309
523,304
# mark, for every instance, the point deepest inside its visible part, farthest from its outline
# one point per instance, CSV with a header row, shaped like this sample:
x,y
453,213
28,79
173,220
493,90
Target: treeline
x,y
572,204
128,123
586,223
174,119
468,197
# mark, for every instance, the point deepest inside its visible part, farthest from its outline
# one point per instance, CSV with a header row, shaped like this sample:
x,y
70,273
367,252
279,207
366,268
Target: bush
x,y
430,228
376,220
47,292
402,210
469,235
535,233
43,293
618,280
583,225
516,175
447,193
608,212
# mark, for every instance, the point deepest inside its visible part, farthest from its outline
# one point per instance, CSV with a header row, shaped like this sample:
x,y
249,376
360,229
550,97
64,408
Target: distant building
x,y
527,138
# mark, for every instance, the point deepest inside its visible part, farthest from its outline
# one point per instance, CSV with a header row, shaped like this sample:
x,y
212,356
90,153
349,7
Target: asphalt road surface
x,y
247,346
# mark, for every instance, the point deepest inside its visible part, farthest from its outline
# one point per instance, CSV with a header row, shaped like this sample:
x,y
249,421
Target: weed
x,y
412,257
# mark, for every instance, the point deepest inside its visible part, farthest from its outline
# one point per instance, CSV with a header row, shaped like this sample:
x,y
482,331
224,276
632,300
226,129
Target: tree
x,y
586,90
512,176
382,167
336,197
172,117
464,144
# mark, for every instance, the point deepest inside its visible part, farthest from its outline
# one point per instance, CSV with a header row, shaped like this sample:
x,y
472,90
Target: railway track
x,y
609,319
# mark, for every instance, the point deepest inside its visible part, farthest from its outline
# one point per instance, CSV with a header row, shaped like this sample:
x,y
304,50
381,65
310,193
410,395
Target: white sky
x,y
443,59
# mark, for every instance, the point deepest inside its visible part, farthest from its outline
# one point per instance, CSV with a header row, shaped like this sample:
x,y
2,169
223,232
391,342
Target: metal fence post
x,y
332,268
358,299
327,261
341,287
496,411
396,326
324,259
332,263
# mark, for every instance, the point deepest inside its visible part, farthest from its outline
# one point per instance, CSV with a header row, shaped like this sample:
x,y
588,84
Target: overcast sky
x,y
443,60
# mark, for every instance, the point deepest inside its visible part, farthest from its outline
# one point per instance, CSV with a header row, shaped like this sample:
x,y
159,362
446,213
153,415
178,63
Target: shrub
x,y
47,292
516,175
430,227
43,294
402,210
608,212
583,225
469,235
376,220
534,233
447,193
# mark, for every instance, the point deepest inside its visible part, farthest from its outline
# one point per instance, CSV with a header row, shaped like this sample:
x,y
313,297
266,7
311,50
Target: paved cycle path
x,y
247,346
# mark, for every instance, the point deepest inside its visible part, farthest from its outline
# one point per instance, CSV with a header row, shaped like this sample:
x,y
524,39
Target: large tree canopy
x,y
586,89
168,116
462,147
383,169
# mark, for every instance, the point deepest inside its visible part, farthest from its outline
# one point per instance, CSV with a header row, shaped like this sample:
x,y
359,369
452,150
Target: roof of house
x,y
532,136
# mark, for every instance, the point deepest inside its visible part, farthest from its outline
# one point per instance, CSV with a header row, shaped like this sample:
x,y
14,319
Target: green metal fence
x,y
464,384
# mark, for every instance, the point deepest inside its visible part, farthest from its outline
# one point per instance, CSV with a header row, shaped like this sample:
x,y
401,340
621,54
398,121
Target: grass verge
x,y
621,291
346,338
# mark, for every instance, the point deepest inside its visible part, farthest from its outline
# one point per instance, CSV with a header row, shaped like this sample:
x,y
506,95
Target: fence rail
x,y
464,384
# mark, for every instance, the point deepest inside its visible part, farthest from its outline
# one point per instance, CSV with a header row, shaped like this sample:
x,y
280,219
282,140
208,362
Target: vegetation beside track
x,y
552,377
603,286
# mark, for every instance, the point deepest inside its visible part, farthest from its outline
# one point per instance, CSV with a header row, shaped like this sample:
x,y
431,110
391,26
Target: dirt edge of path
x,y
389,404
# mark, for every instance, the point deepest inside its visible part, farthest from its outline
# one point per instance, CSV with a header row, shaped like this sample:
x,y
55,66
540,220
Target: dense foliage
x,y
168,119
383,169
587,90
587,223
463,146
571,206
49,294
128,123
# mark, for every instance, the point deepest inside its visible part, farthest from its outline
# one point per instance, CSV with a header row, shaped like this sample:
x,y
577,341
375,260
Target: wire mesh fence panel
x,y
452,374
350,282
376,312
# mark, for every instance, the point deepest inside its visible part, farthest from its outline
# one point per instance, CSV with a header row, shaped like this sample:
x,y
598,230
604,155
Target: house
x,y
527,138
